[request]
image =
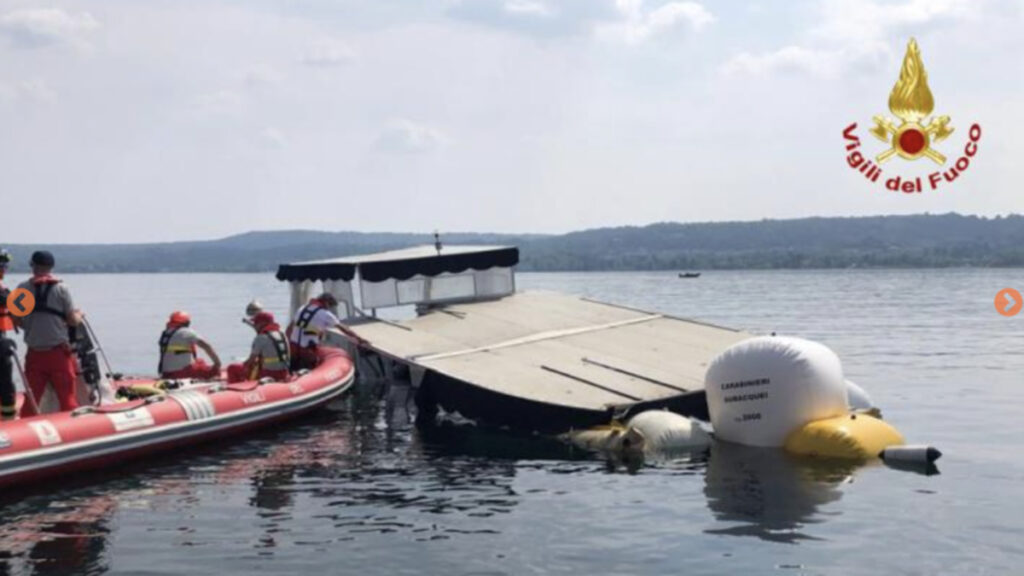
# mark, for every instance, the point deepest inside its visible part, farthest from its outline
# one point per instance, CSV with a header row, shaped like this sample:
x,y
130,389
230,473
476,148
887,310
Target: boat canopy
x,y
419,275
402,264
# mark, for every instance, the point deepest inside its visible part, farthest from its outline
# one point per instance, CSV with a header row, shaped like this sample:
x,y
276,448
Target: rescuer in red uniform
x,y
50,358
269,356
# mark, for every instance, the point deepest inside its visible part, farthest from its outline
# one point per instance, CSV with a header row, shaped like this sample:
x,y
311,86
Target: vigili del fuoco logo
x,y
915,135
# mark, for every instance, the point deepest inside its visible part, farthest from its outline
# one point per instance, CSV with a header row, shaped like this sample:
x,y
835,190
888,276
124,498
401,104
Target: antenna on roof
x,y
437,242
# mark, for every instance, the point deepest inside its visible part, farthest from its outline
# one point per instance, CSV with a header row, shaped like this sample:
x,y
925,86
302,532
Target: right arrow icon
x,y
1009,302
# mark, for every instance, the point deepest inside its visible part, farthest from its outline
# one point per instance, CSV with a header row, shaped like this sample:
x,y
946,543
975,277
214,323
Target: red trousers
x,y
241,372
303,358
55,367
198,369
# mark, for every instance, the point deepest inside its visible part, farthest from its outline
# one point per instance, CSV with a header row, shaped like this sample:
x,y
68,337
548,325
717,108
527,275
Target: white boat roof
x,y
402,264
413,253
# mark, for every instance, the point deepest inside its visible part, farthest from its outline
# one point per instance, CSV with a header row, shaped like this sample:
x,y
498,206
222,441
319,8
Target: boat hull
x,y
495,410
50,445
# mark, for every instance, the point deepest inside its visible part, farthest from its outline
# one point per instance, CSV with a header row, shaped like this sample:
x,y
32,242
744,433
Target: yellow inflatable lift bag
x,y
849,437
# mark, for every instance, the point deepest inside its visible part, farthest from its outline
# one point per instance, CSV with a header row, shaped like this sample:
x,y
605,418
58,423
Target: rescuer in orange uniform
x,y
7,393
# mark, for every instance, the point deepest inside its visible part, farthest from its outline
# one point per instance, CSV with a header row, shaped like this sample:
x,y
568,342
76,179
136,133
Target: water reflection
x,y
769,494
362,472
64,538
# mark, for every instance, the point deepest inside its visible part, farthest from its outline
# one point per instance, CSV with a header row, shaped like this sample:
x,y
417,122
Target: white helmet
x,y
253,308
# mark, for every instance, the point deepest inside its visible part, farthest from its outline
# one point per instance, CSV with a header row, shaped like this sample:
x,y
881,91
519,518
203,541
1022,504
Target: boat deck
x,y
556,349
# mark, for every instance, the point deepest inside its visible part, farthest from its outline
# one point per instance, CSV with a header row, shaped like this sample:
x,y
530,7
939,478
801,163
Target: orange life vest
x,y
6,322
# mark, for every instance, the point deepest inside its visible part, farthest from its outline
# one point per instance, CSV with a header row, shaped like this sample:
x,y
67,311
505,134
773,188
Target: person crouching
x,y
178,354
270,355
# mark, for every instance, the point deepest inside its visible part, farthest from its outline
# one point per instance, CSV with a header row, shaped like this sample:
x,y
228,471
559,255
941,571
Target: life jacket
x,y
283,358
165,346
302,323
41,288
6,322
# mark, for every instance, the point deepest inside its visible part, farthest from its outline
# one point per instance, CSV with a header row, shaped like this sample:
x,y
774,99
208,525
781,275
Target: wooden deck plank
x,y
533,345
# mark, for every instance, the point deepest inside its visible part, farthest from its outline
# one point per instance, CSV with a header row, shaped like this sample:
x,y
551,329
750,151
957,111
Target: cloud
x,y
272,138
406,136
824,63
45,27
544,18
528,8
328,54
858,21
33,91
636,25
224,102
260,76
851,34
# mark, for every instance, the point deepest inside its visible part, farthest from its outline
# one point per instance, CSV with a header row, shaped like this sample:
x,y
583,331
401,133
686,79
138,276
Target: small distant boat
x,y
689,274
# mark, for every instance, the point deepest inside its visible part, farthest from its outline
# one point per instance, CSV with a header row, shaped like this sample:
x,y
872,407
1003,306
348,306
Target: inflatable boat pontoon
x,y
177,414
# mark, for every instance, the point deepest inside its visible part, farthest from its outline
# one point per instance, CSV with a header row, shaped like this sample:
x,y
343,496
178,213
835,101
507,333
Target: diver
x,y
178,354
269,357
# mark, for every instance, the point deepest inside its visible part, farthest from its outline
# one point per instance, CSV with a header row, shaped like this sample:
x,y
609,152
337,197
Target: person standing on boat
x,y
8,396
48,336
311,322
179,356
270,355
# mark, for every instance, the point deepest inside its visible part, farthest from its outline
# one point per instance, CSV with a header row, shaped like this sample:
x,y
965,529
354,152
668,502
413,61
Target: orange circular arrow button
x,y
20,302
1009,302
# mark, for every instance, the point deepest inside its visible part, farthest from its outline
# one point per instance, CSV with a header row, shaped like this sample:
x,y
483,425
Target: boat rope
x,y
669,316
550,335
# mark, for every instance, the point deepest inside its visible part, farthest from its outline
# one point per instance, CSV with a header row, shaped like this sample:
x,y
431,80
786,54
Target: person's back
x,y
179,356
50,358
270,354
272,349
46,327
177,348
310,323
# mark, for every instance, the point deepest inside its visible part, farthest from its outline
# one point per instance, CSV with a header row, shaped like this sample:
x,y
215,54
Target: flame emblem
x,y
912,102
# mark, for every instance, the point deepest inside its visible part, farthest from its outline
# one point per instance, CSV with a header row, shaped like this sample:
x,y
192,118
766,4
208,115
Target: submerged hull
x,y
50,445
495,410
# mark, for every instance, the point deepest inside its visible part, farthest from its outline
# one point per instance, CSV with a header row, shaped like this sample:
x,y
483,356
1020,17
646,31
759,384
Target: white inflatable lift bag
x,y
665,431
762,389
857,397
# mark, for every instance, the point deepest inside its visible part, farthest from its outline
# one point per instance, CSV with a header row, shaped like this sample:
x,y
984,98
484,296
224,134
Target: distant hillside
x,y
879,241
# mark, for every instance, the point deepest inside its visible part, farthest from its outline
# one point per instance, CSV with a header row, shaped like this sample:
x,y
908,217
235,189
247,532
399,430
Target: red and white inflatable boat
x,y
182,412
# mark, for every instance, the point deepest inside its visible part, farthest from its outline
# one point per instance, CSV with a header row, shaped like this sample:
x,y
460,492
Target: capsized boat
x,y
530,361
164,415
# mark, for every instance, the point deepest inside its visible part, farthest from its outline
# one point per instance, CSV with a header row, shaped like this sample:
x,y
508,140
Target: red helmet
x,y
327,299
179,318
262,319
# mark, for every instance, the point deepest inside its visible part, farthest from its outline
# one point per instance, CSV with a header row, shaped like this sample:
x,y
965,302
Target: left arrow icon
x,y
21,302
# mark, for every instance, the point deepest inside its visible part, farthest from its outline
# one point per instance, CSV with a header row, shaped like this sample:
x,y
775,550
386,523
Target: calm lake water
x,y
358,489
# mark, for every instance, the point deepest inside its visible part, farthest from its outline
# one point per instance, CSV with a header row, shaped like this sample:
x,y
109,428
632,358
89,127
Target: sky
x,y
159,120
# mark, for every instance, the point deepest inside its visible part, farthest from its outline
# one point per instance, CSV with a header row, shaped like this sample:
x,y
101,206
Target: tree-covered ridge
x,y
879,241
